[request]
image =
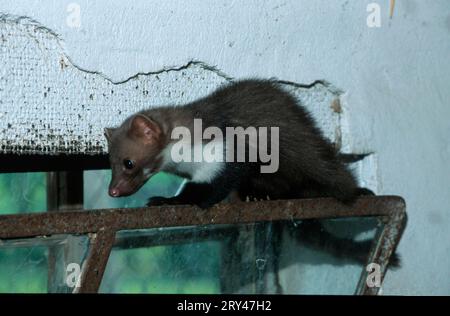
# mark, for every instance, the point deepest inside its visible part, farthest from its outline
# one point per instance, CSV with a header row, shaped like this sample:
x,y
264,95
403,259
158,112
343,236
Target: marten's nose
x,y
114,192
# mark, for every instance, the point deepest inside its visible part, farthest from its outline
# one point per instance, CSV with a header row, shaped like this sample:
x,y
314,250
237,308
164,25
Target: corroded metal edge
x,y
384,245
100,245
102,225
92,221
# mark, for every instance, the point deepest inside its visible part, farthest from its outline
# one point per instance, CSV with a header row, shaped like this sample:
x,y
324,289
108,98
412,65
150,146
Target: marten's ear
x,y
108,133
144,128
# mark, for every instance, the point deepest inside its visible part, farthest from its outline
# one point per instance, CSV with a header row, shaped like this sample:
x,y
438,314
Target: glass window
x,y
23,192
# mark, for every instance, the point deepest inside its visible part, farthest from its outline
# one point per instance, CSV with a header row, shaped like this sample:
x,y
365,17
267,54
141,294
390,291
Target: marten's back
x,y
306,158
262,103
307,161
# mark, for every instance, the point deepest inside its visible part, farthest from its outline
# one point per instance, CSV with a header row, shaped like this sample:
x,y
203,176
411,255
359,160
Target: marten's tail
x,y
312,234
351,158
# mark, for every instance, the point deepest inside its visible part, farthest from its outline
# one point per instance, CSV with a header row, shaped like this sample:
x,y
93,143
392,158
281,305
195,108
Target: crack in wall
x,y
11,19
38,27
64,107
186,66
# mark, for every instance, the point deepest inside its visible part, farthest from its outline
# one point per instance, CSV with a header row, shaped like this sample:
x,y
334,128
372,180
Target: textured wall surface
x,y
49,105
393,83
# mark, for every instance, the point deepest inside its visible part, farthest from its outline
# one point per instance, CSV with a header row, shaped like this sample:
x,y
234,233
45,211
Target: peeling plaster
x,y
50,105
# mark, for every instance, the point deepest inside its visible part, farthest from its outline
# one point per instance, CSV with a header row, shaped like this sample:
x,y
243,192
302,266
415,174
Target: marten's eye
x,y
129,164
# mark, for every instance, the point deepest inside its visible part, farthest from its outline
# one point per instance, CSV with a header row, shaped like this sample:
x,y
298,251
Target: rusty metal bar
x,y
385,244
83,222
92,272
105,223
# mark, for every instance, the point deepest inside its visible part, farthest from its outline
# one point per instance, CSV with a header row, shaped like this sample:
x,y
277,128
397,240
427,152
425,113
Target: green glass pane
x,y
23,270
290,257
164,269
23,192
41,264
96,184
327,261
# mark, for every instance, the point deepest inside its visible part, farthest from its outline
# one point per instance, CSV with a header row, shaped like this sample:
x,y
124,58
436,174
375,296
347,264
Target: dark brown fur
x,y
309,165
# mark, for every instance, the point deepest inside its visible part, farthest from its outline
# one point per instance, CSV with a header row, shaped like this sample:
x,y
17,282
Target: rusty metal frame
x,y
102,225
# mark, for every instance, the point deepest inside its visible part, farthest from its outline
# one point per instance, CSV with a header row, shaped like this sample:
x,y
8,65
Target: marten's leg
x,y
206,194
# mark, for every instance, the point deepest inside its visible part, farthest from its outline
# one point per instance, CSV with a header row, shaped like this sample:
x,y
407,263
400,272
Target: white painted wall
x,y
395,81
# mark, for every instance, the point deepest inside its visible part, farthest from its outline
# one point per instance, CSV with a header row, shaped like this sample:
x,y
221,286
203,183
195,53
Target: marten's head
x,y
134,153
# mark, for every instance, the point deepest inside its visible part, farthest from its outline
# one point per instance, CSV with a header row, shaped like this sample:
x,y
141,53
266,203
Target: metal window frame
x,y
101,226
